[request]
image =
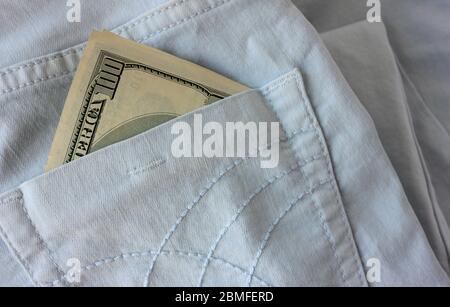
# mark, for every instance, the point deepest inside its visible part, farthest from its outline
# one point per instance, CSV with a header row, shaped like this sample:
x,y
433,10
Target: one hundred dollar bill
x,y
122,89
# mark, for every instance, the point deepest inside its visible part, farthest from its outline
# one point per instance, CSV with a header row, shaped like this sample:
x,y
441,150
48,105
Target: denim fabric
x,y
381,88
418,51
134,215
231,220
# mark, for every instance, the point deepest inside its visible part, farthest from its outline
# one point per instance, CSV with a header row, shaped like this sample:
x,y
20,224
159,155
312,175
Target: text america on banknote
x,y
122,89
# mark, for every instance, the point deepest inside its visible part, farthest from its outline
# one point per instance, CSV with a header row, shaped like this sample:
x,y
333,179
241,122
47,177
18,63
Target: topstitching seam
x,y
335,190
235,217
322,217
41,240
201,12
185,213
145,18
282,84
10,200
122,257
37,81
22,260
75,50
275,223
193,204
147,168
78,49
41,61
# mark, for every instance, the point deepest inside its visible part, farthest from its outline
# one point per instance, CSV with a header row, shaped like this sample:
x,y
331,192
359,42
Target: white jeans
x,y
132,214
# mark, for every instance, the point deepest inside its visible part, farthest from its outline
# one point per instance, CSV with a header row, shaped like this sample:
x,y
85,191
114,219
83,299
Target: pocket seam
x,y
343,216
77,49
41,240
19,257
126,256
283,82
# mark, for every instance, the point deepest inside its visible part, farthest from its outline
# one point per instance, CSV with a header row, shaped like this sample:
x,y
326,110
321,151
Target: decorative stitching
x,y
22,260
278,83
42,61
153,165
281,86
336,193
157,163
325,227
286,139
276,222
201,12
79,49
185,213
36,81
239,212
123,257
75,50
234,266
283,82
41,240
295,133
188,209
236,216
11,199
145,18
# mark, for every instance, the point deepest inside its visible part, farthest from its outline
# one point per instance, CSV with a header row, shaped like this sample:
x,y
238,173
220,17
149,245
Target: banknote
x,y
122,88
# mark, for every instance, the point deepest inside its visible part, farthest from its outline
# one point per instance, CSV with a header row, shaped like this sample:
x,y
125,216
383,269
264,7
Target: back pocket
x,y
135,214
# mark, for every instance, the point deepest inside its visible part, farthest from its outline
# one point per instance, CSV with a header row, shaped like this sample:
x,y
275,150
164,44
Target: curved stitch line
x,y
236,216
123,257
201,12
188,209
231,265
185,213
276,222
238,213
333,183
326,228
41,240
319,209
18,256
283,83
328,235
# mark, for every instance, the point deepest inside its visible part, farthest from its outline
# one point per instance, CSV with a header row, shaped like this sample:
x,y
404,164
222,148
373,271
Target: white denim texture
x,y
353,182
